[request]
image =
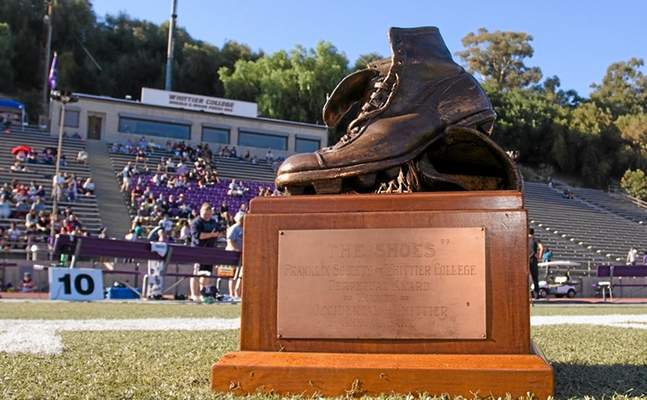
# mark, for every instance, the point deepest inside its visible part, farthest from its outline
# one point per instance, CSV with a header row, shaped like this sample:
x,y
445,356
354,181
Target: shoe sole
x,y
364,176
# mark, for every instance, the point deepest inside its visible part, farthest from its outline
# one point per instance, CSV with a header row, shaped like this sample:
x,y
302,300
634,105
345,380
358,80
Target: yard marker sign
x,y
79,284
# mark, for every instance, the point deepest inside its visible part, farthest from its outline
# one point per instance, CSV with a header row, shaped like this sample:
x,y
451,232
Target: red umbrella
x,y
22,148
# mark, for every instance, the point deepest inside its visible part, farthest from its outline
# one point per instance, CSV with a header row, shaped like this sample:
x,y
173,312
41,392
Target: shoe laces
x,y
383,88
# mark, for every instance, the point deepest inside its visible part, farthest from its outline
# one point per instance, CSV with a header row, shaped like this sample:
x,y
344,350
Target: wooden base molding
x,y
328,374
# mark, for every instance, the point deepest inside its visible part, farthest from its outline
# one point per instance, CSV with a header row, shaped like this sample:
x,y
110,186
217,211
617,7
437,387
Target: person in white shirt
x,y
185,233
631,256
82,156
88,186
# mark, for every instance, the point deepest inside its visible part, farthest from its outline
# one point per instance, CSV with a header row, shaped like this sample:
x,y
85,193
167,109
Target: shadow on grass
x,y
577,380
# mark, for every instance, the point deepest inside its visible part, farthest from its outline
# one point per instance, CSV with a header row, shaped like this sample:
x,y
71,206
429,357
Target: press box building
x,y
164,115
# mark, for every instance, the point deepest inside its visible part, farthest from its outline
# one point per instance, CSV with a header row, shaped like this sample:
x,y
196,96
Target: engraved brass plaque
x,y
418,283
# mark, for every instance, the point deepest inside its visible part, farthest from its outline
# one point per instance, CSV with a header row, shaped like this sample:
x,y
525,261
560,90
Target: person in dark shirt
x,y
534,252
205,231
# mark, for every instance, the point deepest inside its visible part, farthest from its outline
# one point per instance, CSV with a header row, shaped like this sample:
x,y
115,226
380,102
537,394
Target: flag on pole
x,y
51,79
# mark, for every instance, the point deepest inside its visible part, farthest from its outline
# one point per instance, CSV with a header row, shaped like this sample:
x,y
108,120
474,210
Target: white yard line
x,y
41,336
638,321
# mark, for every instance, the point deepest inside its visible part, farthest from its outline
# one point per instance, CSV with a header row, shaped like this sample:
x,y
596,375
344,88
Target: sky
x,y
575,40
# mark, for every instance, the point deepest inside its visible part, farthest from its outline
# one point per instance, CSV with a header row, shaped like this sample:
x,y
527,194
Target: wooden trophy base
x,y
370,294
337,374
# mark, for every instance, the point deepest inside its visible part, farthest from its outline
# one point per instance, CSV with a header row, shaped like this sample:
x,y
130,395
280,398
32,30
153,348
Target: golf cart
x,y
559,284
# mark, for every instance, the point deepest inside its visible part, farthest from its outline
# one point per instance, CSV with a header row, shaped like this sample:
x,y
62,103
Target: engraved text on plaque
x,y
395,283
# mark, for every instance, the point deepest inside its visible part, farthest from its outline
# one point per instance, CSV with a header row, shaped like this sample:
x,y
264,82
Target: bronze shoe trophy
x,y
375,291
390,114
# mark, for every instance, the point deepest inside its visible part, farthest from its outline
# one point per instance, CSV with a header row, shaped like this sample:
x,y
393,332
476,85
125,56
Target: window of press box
x,y
139,126
71,118
307,145
262,140
215,135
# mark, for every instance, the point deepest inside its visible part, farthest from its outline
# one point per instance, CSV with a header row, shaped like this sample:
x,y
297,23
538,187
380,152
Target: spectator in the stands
x,y
58,183
32,158
88,187
14,233
166,223
154,234
126,174
181,169
21,156
224,151
136,232
71,192
82,157
20,209
247,156
6,190
224,207
269,157
40,192
236,189
141,156
31,191
5,207
185,232
43,223
170,165
30,220
19,167
38,205
645,258
632,255
27,283
242,210
548,255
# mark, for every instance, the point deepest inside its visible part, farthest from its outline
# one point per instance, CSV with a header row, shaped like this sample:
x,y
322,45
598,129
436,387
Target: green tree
x,y
635,183
590,119
287,86
198,72
623,89
633,127
499,57
6,49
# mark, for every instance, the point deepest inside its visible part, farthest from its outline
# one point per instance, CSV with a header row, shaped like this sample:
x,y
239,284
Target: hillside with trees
x,y
596,139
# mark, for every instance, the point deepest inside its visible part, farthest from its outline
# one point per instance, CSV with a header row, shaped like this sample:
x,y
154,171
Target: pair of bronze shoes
x,y
416,122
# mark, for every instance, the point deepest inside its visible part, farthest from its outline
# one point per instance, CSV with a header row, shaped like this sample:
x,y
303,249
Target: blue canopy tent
x,y
10,106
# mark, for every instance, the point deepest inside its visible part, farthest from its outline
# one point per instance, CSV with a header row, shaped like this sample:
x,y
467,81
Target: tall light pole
x,y
64,98
169,49
47,20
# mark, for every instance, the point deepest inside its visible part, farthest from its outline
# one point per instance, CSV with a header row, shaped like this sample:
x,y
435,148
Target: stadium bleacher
x,y
614,202
84,207
578,231
252,176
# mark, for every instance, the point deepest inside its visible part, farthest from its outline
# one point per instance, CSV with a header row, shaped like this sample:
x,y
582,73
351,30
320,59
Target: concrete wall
x,y
110,109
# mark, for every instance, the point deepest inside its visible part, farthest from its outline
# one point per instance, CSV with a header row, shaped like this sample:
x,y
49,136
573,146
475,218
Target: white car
x,y
559,286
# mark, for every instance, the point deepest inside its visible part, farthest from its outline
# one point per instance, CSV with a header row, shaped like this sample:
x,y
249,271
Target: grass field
x,y
589,361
